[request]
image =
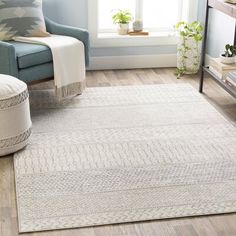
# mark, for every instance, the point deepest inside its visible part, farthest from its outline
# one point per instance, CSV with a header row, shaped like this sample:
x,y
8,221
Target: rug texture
x,y
124,154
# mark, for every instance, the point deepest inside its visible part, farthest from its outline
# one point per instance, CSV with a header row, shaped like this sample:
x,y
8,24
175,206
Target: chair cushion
x,y
31,54
35,73
21,18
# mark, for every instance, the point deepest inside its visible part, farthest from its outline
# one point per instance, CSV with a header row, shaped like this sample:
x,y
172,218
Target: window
x,y
106,9
158,16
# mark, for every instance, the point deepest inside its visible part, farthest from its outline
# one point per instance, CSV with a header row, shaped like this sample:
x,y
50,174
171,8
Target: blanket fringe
x,y
70,90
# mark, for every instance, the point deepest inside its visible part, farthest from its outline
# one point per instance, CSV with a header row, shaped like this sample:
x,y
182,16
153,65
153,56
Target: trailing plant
x,y
179,72
230,51
122,17
192,30
188,31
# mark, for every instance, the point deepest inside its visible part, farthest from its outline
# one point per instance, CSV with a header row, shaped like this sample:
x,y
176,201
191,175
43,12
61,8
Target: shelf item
x,y
216,63
231,78
219,75
227,8
231,1
221,82
220,69
231,85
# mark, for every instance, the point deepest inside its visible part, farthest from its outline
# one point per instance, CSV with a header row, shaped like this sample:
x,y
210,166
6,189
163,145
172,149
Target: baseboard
x,y
132,62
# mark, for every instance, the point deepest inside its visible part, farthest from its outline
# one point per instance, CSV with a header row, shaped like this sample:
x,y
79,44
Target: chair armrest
x,y
80,34
8,61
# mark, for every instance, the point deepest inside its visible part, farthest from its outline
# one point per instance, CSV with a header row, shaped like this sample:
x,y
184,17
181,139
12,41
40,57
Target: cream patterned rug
x,y
124,154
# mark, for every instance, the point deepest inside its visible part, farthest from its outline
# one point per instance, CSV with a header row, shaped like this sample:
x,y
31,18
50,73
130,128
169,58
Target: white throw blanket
x,y
68,62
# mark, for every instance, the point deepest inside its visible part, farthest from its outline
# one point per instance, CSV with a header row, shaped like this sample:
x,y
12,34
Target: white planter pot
x,y
227,60
188,55
123,29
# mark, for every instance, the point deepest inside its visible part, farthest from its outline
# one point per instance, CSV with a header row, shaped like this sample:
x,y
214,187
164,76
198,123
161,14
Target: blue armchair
x,y
30,62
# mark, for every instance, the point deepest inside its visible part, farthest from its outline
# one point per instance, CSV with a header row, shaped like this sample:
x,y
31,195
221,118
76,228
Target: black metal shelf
x,y
230,10
218,80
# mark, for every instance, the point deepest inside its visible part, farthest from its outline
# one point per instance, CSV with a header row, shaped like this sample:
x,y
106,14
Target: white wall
x,y
221,29
221,32
70,12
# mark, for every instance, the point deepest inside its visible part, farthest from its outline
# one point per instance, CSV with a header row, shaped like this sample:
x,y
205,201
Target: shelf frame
x,y
230,10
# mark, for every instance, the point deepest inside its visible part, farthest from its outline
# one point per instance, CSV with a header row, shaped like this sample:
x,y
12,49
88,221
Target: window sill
x,y
115,40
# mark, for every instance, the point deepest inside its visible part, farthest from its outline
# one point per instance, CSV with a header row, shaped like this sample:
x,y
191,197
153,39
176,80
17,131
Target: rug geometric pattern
x,y
124,154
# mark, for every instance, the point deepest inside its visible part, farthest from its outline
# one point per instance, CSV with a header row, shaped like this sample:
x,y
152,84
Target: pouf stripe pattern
x,y
15,140
4,104
15,121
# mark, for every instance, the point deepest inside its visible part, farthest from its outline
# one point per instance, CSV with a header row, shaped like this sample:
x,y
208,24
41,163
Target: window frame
x,y
163,36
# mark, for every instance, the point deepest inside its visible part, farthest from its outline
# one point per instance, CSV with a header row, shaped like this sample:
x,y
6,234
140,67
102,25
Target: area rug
x,y
124,154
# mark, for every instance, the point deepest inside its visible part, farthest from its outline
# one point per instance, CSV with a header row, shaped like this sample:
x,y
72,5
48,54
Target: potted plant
x,y
228,57
122,18
138,25
189,47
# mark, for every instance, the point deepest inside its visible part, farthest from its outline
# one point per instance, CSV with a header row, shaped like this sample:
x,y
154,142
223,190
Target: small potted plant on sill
x,y
138,25
228,57
189,47
122,18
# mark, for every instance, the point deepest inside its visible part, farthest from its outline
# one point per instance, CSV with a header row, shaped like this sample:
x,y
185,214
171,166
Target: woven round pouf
x,y
15,122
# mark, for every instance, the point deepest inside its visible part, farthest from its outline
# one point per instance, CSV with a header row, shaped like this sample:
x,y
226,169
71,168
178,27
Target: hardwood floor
x,y
221,225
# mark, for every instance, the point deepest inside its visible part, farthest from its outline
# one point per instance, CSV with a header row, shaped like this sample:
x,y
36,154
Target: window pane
x,y
106,9
161,13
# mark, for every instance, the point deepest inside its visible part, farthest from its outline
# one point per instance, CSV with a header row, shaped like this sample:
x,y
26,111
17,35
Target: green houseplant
x,y
228,57
188,49
122,18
